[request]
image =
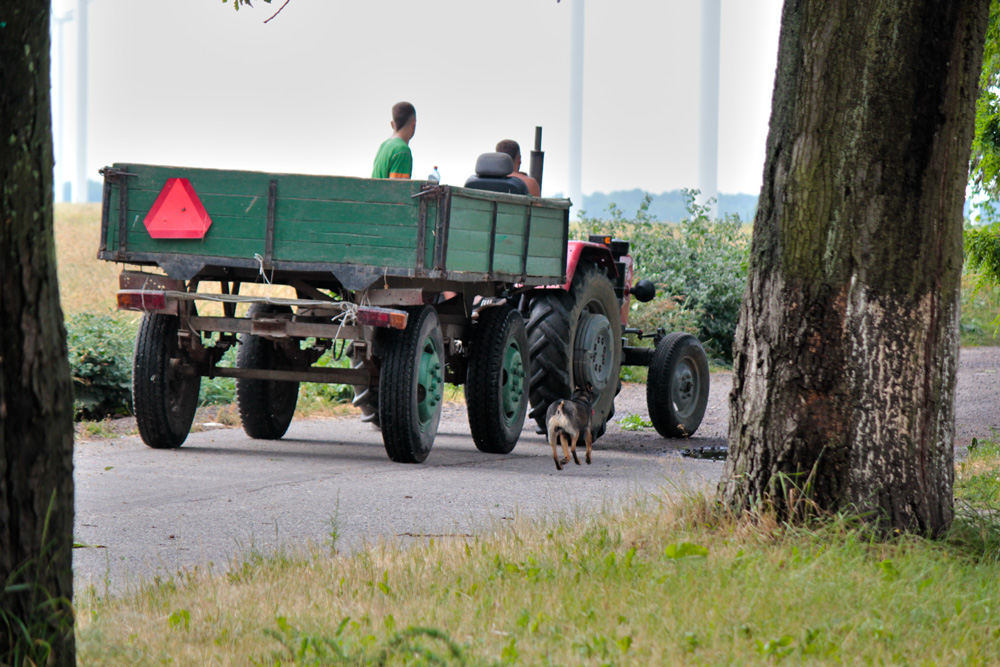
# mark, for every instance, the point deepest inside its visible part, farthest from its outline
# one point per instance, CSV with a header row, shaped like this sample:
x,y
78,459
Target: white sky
x,y
193,83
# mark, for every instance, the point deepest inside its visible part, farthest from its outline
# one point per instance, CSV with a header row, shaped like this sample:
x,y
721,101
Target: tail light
x,y
382,317
143,300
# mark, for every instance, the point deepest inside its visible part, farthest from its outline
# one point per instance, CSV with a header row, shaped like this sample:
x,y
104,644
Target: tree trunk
x,y
847,347
36,403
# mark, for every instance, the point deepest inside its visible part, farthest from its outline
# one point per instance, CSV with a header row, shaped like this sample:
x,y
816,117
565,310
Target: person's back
x,y
394,159
513,149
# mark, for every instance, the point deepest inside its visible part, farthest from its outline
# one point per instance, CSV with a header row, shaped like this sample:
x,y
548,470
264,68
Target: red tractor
x,y
576,336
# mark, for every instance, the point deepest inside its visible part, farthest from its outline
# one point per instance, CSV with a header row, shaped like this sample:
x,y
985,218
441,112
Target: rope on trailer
x,y
260,268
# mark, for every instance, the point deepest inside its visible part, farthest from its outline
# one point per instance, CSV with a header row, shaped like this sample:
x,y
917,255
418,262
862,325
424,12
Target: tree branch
x,y
279,10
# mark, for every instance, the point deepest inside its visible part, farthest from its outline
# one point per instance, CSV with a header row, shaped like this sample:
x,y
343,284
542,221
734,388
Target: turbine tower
x,y
80,182
59,100
708,135
576,105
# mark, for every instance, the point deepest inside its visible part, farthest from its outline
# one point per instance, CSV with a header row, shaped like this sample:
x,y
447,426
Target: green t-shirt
x,y
393,159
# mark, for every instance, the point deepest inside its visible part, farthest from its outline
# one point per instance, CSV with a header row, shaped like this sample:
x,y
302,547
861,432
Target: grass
x,y
668,580
977,477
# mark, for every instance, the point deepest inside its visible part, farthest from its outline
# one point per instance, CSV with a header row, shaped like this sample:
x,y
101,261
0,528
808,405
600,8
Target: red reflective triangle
x,y
177,213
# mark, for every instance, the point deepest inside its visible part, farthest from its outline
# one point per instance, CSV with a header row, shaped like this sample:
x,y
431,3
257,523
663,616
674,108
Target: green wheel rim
x,y
512,387
430,383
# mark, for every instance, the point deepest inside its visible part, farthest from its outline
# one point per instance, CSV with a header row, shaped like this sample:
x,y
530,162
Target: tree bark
x,y
847,346
36,403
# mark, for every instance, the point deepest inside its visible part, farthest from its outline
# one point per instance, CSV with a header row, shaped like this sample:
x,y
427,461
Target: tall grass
x,y
86,284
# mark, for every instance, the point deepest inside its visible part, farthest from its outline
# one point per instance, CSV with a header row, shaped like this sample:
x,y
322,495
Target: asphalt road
x,y
146,512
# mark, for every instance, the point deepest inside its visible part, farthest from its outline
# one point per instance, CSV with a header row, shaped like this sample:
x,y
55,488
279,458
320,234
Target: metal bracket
x,y
112,174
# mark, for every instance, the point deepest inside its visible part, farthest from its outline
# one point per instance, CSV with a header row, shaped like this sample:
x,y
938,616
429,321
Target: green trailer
x,y
417,283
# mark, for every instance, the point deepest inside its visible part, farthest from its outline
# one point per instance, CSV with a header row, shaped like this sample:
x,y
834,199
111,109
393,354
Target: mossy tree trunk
x,y
847,347
36,404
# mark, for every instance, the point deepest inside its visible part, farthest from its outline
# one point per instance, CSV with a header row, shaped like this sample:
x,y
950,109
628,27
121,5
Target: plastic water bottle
x,y
435,176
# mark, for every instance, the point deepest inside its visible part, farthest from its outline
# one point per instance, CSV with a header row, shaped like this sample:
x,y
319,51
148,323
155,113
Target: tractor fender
x,y
592,253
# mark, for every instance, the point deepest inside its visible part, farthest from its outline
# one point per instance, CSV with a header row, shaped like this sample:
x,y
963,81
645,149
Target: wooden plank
x,y
507,264
245,248
545,266
111,240
368,213
367,255
470,221
293,186
471,194
464,260
460,203
235,206
547,223
543,247
222,227
349,236
510,222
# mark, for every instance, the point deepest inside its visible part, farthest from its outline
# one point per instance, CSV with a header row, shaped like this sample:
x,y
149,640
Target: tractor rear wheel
x,y
574,340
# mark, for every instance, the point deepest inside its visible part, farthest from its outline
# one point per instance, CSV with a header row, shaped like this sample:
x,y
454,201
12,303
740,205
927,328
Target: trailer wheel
x,y
677,386
164,401
496,392
266,406
575,339
411,387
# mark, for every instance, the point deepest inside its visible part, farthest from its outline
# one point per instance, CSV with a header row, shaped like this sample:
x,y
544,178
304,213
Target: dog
x,y
566,420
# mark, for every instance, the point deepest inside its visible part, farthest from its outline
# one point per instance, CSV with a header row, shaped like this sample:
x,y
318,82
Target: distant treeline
x,y
666,207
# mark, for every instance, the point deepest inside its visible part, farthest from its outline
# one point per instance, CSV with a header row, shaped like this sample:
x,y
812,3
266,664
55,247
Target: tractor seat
x,y
493,174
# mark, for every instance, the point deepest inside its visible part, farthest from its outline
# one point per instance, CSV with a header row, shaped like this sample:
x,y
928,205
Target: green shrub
x,y
100,357
219,391
982,261
329,393
699,268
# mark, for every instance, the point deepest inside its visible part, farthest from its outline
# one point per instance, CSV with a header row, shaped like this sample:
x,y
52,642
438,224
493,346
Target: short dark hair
x,y
402,112
510,147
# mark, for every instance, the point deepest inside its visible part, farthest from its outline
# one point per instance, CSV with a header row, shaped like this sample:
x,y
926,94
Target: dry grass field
x,y
86,283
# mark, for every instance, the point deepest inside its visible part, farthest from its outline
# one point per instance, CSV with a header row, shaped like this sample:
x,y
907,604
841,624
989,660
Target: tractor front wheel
x,y
677,386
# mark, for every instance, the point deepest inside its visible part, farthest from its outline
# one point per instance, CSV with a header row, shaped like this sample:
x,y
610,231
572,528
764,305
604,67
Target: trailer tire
x,y
411,387
164,402
564,330
266,406
677,386
495,389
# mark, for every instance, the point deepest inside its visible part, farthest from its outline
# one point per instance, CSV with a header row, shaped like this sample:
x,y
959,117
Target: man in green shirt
x,y
394,159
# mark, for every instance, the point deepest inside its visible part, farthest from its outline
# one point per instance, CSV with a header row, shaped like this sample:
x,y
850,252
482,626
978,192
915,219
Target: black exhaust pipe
x,y
537,158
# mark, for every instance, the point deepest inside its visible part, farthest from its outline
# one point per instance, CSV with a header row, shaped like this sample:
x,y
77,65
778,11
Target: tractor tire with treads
x,y
574,339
